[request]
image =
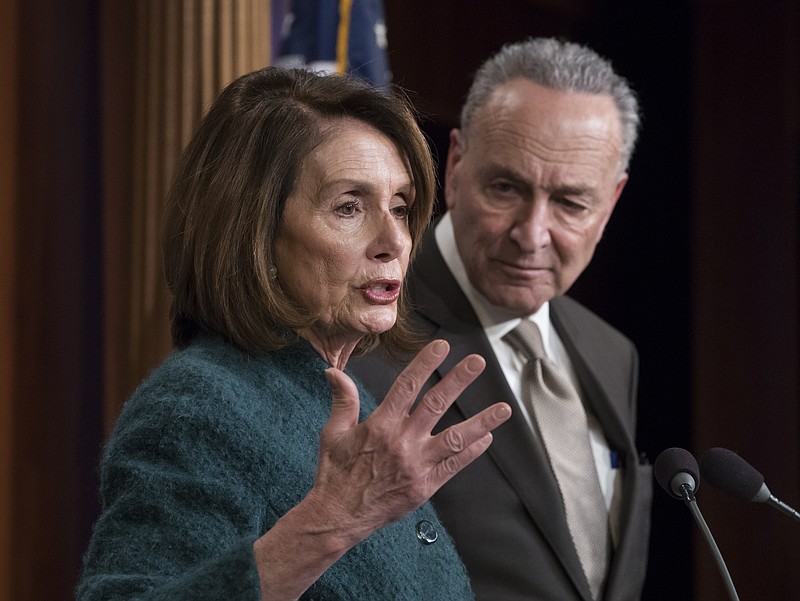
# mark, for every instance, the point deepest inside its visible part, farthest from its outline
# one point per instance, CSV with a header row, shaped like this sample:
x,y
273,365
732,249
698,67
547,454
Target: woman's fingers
x,y
389,464
454,448
401,396
438,399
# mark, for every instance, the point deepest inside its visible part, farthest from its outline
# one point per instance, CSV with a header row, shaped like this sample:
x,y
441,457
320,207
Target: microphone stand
x,y
781,506
691,503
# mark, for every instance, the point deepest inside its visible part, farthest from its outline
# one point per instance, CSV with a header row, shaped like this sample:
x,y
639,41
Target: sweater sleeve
x,y
179,518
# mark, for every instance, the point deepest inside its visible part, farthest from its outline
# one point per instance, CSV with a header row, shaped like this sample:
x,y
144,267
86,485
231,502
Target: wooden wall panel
x,y
57,363
8,187
746,257
169,91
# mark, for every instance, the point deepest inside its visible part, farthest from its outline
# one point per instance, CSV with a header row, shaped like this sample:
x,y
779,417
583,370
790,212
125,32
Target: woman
x,y
246,466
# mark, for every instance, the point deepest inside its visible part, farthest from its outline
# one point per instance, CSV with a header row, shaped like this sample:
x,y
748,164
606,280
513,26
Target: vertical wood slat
x,y
122,380
207,66
8,187
119,116
186,52
189,88
242,14
225,53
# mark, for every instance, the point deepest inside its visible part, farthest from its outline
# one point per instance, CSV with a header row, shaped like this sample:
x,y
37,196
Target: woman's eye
x,y
347,209
400,212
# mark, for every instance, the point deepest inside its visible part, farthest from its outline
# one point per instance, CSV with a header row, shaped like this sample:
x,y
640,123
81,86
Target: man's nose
x,y
531,231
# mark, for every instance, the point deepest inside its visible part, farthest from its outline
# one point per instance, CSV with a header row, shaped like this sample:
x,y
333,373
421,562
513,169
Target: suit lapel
x,y
609,399
607,404
516,451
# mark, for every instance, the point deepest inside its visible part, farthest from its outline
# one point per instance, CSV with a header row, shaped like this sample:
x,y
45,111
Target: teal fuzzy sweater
x,y
207,454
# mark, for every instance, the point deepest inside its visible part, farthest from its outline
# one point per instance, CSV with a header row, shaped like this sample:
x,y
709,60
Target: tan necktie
x,y
561,422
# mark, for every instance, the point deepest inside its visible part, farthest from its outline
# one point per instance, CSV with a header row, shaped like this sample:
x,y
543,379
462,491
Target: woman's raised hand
x,y
374,472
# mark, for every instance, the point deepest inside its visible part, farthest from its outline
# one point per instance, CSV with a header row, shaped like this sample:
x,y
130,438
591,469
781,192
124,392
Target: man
x,y
532,177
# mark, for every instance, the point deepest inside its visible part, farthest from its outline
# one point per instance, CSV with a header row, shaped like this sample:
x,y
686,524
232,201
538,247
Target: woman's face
x,y
344,243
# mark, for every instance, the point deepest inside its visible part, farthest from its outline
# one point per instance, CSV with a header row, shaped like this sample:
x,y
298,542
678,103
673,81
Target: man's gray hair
x,y
557,65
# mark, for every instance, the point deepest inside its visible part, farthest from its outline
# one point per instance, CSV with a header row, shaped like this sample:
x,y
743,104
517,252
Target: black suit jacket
x,y
504,510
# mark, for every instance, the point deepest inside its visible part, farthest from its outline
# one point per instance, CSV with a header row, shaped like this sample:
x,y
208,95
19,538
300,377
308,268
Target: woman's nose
x,y
392,239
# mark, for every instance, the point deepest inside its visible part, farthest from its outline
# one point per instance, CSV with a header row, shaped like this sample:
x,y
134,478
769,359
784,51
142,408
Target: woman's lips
x,y
381,292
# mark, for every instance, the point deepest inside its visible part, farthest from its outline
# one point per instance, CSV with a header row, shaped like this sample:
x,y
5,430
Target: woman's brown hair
x,y
225,207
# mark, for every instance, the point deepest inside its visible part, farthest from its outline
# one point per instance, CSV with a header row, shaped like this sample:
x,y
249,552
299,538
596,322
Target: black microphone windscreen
x,y
672,462
725,470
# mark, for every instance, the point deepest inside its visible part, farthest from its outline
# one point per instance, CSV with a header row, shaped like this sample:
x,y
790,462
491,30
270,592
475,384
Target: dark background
x,y
700,264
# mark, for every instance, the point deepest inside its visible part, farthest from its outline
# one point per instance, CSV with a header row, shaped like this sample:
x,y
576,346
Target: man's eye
x,y
503,187
571,205
504,191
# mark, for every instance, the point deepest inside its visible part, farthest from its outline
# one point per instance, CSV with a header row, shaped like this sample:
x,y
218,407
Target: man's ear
x,y
623,179
454,155
618,187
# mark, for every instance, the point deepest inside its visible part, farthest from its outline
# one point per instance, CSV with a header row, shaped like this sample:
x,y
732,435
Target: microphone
x,y
677,472
728,472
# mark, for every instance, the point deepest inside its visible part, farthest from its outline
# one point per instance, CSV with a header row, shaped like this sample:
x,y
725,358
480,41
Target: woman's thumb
x,y
344,400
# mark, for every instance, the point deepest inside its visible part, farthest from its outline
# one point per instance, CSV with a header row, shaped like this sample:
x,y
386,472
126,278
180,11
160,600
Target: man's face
x,y
530,188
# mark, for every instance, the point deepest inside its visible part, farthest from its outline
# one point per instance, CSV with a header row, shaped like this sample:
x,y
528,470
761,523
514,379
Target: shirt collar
x,y
496,321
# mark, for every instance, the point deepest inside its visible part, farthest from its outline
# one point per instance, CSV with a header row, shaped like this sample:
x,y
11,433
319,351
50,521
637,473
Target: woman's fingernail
x,y
439,348
503,411
475,365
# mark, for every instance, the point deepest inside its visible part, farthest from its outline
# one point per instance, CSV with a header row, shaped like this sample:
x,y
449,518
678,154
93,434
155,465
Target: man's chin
x,y
515,301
